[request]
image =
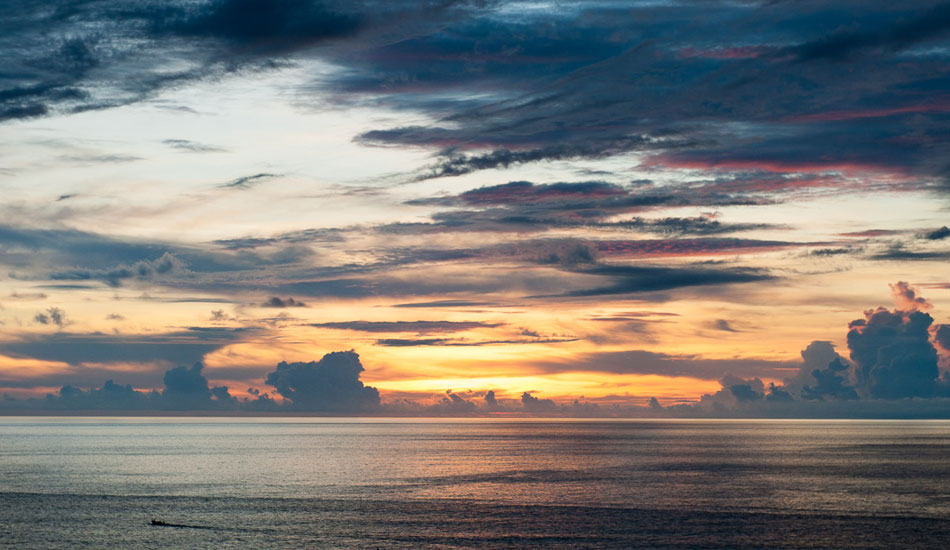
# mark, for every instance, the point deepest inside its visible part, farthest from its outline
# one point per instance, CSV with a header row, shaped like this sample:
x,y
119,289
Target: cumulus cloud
x,y
186,386
142,271
906,298
491,403
534,404
331,384
453,404
893,354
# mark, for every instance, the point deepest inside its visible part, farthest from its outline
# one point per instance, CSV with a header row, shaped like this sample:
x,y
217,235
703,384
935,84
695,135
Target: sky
x,y
577,208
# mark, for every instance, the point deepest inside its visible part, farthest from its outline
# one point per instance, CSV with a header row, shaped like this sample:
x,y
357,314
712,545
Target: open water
x,y
390,483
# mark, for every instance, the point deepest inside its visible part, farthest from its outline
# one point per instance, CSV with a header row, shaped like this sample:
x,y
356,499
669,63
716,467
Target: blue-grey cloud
x,y
181,347
331,384
278,302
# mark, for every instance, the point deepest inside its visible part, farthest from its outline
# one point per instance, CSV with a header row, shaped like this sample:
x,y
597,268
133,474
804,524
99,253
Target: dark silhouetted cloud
x,y
938,234
893,355
536,405
331,384
275,301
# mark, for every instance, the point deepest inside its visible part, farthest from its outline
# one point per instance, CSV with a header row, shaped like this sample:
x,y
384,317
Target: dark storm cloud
x,y
260,26
420,327
702,101
718,85
66,56
905,32
331,384
893,355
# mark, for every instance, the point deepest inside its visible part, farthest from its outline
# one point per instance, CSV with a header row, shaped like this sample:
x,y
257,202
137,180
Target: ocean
x,y
289,483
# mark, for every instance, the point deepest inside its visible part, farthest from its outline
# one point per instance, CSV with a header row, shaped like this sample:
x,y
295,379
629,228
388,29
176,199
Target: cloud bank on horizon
x,y
893,371
533,201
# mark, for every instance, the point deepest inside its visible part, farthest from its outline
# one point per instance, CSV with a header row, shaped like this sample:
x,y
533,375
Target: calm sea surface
x,y
382,483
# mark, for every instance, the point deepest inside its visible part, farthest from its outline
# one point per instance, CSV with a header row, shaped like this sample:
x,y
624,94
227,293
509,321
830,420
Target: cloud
x,y
893,372
453,404
262,26
275,301
830,382
186,387
723,325
188,146
536,405
843,43
446,303
906,298
110,396
631,279
67,57
491,403
420,327
246,182
592,80
449,342
522,206
457,165
142,271
942,337
937,234
52,316
649,362
181,347
331,384
893,355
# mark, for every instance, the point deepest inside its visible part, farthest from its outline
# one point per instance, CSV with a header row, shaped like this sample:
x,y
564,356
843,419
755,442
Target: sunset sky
x,y
593,201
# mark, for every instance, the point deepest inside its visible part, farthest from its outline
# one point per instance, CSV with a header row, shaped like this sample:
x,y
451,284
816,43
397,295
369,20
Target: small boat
x,y
161,523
